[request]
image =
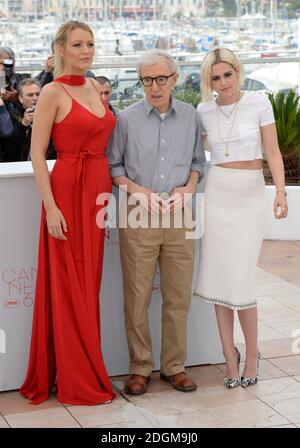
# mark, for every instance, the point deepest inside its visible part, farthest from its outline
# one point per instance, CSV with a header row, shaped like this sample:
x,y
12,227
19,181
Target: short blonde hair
x,y
217,56
60,41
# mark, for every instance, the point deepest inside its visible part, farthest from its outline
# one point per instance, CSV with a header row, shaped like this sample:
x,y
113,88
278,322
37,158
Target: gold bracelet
x,y
282,191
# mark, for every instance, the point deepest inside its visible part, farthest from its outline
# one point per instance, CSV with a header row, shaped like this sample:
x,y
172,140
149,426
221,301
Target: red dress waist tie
x,y
82,245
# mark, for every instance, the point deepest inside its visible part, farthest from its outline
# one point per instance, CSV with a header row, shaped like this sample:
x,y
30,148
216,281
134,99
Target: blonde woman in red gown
x,y
65,346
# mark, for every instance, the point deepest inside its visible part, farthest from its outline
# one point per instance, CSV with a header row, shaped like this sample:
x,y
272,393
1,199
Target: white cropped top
x,y
239,135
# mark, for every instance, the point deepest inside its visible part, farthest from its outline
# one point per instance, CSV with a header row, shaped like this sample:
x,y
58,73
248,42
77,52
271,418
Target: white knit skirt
x,y
234,203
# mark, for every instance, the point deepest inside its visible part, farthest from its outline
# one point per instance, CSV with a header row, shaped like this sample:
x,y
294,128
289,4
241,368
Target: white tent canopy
x,y
284,75
256,16
246,16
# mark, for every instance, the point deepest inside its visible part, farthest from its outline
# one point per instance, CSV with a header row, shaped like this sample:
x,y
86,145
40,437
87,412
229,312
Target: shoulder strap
x,y
94,87
66,90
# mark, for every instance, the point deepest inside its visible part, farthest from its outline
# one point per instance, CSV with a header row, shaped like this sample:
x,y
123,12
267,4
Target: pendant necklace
x,y
233,114
224,113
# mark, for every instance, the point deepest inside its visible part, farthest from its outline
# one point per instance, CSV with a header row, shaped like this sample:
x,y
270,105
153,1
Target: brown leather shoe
x,y
180,381
137,384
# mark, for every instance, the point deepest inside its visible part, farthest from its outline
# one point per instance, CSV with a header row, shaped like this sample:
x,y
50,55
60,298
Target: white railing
x,y
183,59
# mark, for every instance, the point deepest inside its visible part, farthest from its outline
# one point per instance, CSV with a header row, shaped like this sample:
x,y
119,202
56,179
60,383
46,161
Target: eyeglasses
x,y
160,80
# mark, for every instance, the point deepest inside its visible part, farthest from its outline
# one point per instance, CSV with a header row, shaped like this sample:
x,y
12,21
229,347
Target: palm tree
x,y
286,108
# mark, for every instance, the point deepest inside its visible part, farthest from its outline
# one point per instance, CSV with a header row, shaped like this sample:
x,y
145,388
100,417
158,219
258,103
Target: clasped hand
x,y
157,203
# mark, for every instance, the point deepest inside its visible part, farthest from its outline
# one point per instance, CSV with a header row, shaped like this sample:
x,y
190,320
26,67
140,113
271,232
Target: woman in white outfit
x,y
238,125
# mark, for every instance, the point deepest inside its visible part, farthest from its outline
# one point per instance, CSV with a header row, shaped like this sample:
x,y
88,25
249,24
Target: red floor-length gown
x,y
65,346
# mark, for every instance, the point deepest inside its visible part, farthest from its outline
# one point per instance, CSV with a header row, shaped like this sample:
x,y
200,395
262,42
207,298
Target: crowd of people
x,y
153,150
19,93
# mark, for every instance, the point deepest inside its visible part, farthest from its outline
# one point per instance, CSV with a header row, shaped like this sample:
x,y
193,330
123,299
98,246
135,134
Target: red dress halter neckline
x,y
71,80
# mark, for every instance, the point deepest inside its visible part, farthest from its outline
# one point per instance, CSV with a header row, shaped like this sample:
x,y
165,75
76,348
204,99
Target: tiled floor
x,y
273,402
282,258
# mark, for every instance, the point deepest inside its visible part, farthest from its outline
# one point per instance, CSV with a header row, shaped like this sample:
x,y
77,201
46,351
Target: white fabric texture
x,y
234,202
244,137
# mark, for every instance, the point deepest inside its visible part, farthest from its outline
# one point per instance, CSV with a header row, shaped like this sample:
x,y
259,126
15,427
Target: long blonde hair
x,y
216,56
60,41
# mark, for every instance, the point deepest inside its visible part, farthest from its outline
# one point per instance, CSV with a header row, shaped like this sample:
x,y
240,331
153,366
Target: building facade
x,y
100,9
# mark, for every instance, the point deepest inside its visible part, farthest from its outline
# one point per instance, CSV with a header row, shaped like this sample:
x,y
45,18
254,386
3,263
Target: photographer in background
x,y
12,79
106,93
46,75
17,147
28,94
6,126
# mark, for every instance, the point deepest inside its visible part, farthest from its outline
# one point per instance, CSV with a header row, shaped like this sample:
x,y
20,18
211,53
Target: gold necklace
x,y
224,113
234,109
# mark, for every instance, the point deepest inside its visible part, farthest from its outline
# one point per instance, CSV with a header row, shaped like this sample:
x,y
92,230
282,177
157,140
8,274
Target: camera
x,y
8,65
2,81
32,109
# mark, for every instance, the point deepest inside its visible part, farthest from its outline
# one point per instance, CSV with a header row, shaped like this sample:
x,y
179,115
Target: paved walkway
x,y
273,402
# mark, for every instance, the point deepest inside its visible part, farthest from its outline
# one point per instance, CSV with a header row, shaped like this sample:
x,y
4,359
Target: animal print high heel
x,y
234,382
250,380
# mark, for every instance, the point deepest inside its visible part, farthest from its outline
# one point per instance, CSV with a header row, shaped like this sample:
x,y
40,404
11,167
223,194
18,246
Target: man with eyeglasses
x,y
156,155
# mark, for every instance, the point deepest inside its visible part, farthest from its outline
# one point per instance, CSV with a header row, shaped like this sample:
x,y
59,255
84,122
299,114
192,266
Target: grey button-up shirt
x,y
154,152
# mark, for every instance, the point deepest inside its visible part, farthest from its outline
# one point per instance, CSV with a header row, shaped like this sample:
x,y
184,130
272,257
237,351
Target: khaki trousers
x,y
141,249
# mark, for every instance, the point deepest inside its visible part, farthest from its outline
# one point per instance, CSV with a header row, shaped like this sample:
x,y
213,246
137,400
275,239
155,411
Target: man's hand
x,y
28,117
9,95
179,197
148,199
49,65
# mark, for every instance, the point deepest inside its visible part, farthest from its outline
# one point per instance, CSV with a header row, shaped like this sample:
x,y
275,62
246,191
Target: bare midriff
x,y
243,164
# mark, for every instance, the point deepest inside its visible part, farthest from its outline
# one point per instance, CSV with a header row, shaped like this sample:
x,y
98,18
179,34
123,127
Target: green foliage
x,y
286,110
187,95
123,103
291,6
182,93
178,15
230,9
